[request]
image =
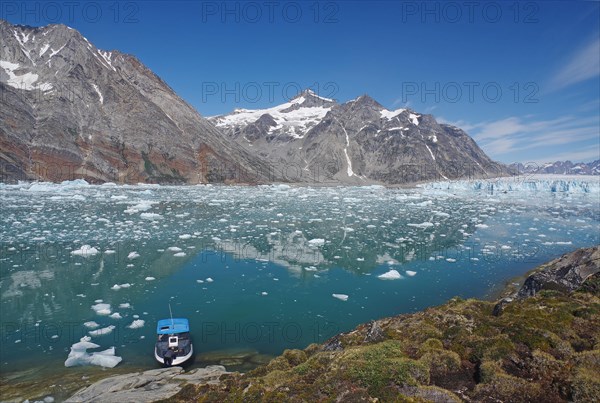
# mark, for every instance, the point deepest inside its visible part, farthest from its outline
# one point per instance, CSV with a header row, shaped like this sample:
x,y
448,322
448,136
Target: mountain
x,y
68,109
356,142
558,167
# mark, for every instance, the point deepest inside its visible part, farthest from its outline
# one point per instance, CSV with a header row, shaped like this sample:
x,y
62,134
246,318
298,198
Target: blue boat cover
x,y
172,326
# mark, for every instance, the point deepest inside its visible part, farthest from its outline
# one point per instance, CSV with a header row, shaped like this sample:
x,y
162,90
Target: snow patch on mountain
x,y
390,114
291,116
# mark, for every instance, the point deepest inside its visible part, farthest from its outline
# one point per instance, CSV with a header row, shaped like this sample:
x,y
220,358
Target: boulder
x,y
147,386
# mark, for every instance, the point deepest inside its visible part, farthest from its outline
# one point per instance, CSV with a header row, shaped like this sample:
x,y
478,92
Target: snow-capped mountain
x,y
291,120
558,167
357,141
68,109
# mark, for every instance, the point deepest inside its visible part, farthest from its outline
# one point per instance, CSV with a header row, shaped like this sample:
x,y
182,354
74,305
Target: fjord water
x,y
255,268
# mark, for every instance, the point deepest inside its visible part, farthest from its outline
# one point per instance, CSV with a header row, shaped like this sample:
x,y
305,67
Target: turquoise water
x,y
275,255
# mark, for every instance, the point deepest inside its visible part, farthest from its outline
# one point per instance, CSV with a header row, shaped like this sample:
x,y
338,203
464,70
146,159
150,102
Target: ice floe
x,y
79,355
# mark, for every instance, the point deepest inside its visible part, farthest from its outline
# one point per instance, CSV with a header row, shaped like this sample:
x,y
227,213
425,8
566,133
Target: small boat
x,y
174,345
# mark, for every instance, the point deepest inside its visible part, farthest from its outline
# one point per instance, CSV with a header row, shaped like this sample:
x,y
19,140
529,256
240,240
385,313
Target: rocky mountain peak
x,y
70,110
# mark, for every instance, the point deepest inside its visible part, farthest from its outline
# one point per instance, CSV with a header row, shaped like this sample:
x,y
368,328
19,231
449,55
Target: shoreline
x,y
81,377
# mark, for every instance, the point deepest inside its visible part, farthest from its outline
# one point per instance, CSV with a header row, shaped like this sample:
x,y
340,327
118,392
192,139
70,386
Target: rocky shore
x,y
540,344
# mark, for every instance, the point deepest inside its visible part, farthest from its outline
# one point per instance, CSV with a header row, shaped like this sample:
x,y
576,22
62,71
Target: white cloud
x,y
515,137
583,65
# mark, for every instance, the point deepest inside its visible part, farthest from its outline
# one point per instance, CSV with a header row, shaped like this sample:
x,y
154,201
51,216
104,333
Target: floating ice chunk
x,y
481,225
390,275
174,249
102,309
199,281
505,247
79,355
342,297
117,287
421,225
151,216
209,280
179,254
450,260
91,325
185,236
85,251
125,305
102,332
109,252
264,293
136,324
133,255
316,242
410,273
150,278
310,268
142,206
116,315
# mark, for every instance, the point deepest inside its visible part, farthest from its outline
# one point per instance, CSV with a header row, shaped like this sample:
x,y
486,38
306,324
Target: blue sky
x,y
523,78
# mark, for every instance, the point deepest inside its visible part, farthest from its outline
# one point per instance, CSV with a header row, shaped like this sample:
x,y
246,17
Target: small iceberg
x,y
136,324
316,242
102,332
102,309
390,275
341,297
79,355
85,251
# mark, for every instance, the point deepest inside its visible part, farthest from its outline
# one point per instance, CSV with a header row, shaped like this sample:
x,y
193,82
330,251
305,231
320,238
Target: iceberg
x,y
341,297
136,324
390,275
79,355
102,309
85,251
102,332
316,242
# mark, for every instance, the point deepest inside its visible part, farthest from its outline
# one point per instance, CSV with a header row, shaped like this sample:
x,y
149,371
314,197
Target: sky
x,y
522,78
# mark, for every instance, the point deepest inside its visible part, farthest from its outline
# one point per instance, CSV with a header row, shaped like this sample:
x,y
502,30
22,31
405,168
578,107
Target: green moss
x,y
277,363
430,344
381,365
312,348
496,384
441,362
294,357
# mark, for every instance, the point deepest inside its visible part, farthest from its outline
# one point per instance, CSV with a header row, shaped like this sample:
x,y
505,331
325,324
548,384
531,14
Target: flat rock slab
x,y
147,386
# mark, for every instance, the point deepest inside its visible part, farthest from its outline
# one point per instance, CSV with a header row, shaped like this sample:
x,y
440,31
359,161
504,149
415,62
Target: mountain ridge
x,y
70,110
360,140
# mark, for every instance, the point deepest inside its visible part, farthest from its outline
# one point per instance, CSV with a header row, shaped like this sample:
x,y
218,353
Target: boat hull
x,y
176,360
